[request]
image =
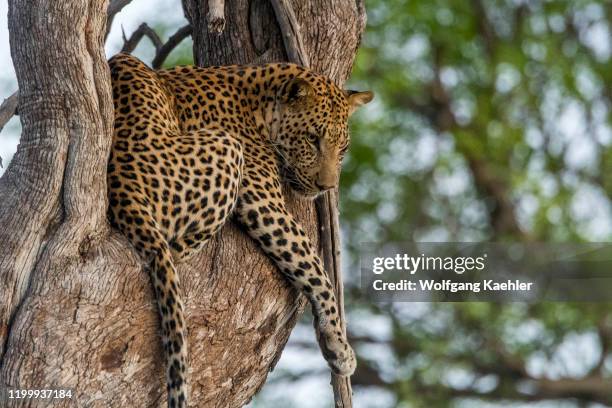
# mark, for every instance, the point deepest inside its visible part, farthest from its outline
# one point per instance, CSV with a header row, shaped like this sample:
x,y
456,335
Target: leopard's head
x,y
311,135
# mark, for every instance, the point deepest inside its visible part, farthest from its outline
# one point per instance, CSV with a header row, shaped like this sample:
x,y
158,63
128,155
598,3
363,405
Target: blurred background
x,y
492,121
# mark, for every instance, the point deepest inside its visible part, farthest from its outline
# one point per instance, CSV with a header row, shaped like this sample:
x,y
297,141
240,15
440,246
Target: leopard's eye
x,y
313,138
344,150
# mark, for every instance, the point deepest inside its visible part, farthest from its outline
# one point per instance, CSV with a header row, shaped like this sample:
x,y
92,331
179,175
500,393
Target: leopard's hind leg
x,y
185,190
208,195
140,227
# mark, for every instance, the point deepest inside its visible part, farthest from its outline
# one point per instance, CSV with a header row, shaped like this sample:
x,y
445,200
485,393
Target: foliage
x,y
492,121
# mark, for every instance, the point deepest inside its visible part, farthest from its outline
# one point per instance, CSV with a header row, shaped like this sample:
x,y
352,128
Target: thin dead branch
x,y
327,208
162,50
174,40
290,30
8,109
143,30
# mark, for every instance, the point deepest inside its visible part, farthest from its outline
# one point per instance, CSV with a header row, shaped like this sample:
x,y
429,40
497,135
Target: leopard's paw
x,y
344,363
338,353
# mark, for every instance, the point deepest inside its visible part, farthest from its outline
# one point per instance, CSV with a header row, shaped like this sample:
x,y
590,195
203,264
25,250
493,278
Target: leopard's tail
x,y
167,291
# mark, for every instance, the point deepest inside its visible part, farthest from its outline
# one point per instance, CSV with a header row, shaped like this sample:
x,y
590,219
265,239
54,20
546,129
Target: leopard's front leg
x,y
285,242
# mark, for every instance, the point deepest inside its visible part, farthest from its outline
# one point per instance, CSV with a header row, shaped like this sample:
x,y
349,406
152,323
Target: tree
x,y
77,310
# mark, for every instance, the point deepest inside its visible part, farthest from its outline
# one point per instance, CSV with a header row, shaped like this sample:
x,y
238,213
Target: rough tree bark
x,y
76,308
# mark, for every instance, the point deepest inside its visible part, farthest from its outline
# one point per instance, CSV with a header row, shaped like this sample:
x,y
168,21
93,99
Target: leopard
x,y
194,147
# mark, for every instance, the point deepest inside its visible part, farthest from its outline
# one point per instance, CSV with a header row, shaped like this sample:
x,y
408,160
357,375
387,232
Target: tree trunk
x,y
76,309
330,34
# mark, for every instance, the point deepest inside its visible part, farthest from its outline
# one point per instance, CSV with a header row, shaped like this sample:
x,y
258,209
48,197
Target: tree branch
x,y
8,109
327,204
174,40
436,109
509,368
327,210
502,214
366,375
142,30
162,50
593,390
604,330
487,31
114,7
290,30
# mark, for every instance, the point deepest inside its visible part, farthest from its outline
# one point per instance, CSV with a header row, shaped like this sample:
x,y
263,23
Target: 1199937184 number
x,y
39,393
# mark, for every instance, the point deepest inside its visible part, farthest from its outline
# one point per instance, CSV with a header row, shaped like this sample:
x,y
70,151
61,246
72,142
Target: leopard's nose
x,y
324,187
327,177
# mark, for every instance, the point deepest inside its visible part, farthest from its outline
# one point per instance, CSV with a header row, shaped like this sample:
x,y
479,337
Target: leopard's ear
x,y
295,90
357,99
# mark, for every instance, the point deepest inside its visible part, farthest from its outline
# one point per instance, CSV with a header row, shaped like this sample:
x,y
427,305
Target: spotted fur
x,y
192,146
